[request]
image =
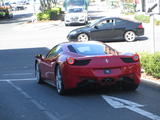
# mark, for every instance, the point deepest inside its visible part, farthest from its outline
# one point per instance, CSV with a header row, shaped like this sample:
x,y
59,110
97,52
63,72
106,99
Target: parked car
x,y
76,15
6,12
108,29
78,64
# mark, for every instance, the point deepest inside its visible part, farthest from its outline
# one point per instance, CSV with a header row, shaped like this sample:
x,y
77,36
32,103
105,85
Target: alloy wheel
x,y
129,36
82,37
37,72
38,75
59,82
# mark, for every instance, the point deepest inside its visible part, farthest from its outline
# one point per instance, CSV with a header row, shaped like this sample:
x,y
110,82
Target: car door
x,y
118,28
49,63
103,30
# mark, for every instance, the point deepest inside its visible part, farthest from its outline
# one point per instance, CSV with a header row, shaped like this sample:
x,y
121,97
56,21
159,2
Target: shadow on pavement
x,y
97,91
143,38
15,61
19,18
94,11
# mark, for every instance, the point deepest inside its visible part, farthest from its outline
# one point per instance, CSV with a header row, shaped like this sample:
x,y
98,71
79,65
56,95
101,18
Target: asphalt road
x,y
21,98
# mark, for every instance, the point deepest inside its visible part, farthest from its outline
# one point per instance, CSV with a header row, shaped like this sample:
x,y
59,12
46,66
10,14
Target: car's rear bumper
x,y
76,76
140,31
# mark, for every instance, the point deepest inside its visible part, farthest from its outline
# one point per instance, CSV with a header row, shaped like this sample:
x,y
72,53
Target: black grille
x,y
81,62
128,60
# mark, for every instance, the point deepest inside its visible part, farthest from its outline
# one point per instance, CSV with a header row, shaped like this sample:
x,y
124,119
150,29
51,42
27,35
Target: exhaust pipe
x,y
108,81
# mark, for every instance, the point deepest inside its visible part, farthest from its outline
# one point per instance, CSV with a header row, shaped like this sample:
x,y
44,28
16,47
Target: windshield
x,y
88,49
76,3
75,10
94,22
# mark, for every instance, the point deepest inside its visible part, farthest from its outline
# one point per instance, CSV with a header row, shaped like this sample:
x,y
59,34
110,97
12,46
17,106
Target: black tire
x,y
130,87
86,22
128,84
66,24
59,81
38,74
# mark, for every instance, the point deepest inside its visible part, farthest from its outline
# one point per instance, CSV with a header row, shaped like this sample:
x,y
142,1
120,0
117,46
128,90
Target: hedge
x,y
146,19
142,18
151,63
43,16
51,14
2,13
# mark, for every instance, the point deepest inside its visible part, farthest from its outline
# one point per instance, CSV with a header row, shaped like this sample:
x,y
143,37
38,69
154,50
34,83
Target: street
x,y
21,98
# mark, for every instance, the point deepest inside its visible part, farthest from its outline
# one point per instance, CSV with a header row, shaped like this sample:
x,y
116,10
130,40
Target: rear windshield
x,y
87,49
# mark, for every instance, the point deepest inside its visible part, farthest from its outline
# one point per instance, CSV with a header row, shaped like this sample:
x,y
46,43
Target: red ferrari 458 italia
x,y
77,64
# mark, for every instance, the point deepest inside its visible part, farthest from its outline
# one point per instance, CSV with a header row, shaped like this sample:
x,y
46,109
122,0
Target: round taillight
x,y
70,60
136,57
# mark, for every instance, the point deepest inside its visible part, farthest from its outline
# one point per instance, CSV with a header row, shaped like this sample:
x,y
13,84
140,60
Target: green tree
x,y
47,4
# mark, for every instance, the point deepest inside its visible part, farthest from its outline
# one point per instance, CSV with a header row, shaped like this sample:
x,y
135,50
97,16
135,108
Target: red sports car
x,y
77,64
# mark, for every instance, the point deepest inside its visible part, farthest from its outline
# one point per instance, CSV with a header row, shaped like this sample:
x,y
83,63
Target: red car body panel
x,y
99,68
95,70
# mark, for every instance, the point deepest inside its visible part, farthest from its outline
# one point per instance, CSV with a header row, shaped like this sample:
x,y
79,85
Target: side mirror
x,y
39,56
96,27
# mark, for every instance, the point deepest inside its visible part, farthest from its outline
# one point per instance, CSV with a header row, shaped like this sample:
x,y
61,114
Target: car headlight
x,y
73,32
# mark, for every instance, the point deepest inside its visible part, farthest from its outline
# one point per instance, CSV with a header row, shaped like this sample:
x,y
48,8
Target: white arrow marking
x,y
121,103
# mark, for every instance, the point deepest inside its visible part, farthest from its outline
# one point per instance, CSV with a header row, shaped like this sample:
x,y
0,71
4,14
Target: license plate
x,y
107,71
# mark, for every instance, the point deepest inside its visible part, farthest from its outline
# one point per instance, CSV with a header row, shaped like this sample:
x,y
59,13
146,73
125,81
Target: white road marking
x,y
25,79
33,101
17,74
121,103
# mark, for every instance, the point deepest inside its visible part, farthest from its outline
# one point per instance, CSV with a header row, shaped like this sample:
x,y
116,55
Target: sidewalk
x,y
39,25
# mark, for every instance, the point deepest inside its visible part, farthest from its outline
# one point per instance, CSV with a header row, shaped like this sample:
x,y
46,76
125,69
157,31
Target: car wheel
x,y
129,36
59,81
86,22
83,37
130,87
129,84
38,74
66,24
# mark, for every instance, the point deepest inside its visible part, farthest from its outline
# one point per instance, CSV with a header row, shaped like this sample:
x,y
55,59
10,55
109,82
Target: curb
x,y
151,82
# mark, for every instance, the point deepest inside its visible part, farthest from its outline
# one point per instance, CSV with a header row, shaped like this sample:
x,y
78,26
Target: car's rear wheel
x,y
130,87
129,84
83,37
59,81
66,24
129,36
38,74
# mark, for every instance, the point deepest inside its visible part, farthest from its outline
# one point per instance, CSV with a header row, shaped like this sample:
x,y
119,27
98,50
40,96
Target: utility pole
x,y
159,7
153,32
150,11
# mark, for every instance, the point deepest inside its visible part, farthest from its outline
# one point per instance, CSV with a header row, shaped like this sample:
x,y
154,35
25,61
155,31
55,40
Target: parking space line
x,y
17,74
33,101
25,79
